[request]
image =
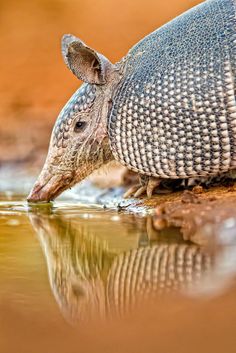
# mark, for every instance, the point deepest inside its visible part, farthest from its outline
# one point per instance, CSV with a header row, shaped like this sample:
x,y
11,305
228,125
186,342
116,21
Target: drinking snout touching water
x,y
167,110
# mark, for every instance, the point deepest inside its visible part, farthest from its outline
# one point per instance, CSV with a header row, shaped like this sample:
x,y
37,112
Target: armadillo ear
x,y
85,63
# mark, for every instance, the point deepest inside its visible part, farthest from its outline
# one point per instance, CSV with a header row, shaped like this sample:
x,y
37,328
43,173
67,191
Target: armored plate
x,y
174,112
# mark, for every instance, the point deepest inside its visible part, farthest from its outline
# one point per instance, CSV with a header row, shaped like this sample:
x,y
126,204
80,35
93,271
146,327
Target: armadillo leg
x,y
131,191
146,185
152,184
137,189
141,190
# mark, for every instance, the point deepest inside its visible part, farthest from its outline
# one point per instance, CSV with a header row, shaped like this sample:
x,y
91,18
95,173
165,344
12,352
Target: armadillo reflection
x,y
89,279
166,110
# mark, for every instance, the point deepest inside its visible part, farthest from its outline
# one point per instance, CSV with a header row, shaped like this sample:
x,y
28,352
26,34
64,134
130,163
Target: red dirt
x,y
191,211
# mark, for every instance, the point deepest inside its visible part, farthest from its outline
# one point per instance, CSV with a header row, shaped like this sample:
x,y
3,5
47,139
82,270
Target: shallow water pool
x,y
68,267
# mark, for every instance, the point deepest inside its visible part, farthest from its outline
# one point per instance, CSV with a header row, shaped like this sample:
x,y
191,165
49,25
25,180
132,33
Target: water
x,y
70,269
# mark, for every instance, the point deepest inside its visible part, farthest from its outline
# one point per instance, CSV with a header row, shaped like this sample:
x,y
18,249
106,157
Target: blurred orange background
x,y
35,83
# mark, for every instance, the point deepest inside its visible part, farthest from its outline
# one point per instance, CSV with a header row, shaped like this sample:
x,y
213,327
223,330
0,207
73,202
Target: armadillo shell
x,y
174,112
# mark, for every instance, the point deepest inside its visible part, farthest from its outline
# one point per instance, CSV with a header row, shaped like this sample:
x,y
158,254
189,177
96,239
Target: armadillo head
x,y
79,141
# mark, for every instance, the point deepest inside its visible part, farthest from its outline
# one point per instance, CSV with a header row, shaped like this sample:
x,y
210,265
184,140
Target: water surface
x,y
71,264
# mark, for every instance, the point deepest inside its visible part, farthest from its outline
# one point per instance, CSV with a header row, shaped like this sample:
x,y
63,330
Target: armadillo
x,y
167,110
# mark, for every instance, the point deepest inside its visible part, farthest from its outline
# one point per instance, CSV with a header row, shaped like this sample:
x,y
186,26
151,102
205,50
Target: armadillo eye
x,y
79,126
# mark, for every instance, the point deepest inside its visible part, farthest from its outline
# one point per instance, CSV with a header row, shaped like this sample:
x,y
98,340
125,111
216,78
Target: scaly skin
x,y
174,114
166,111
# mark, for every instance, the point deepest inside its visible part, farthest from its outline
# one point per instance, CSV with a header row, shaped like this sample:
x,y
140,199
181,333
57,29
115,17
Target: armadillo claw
x,y
140,189
131,191
151,185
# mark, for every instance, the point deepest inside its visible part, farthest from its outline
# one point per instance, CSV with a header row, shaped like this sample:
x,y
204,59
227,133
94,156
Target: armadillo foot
x,y
151,185
141,190
146,185
131,191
